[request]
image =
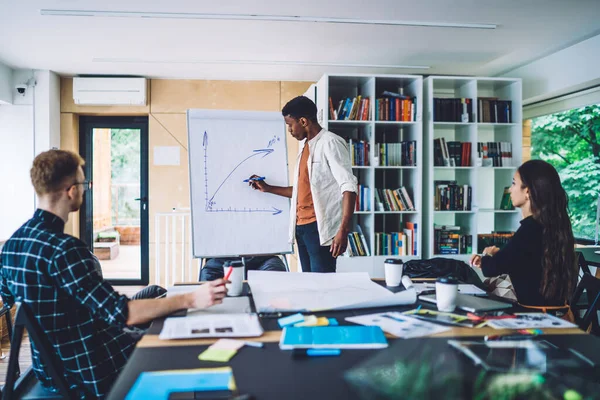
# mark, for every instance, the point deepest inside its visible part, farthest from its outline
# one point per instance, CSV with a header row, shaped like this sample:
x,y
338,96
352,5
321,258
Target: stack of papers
x,y
280,291
220,325
530,320
399,325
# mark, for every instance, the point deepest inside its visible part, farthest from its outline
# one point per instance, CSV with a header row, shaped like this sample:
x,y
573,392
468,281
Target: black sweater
x,y
521,259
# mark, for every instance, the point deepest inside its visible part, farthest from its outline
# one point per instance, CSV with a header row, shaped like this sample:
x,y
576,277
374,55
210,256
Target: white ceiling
x,y
184,48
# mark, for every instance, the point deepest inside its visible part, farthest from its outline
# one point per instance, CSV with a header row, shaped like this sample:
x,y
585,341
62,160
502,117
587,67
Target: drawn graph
x,y
211,203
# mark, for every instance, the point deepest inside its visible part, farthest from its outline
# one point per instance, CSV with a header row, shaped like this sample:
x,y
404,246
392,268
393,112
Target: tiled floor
x,y
125,266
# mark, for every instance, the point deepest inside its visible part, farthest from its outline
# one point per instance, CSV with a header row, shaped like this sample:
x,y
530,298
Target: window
x,y
570,141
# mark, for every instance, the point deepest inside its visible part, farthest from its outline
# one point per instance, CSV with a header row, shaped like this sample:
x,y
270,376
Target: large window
x,y
570,141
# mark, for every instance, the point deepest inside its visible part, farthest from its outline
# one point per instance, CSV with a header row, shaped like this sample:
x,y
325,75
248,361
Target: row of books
x,y
495,154
492,110
451,154
397,243
393,200
449,240
449,196
498,239
357,244
397,154
355,109
452,109
359,152
363,199
395,107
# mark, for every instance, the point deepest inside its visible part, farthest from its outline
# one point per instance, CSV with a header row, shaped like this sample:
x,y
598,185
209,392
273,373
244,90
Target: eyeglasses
x,y
87,185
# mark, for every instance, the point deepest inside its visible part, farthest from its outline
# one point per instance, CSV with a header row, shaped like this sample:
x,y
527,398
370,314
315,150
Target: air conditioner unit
x,y
109,91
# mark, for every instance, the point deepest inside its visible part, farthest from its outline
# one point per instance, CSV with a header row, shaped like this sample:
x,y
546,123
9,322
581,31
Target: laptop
x,y
471,303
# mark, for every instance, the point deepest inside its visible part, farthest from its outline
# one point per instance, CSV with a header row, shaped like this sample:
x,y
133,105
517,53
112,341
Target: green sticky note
x,y
215,354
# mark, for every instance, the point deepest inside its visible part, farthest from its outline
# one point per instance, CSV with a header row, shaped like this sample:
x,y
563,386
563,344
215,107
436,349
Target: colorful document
x,y
399,324
333,337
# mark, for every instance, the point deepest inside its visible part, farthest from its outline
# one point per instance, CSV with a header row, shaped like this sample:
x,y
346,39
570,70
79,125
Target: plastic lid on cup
x,y
393,261
447,280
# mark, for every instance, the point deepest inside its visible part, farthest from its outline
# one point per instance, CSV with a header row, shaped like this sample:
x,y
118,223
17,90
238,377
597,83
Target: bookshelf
x,y
487,182
389,171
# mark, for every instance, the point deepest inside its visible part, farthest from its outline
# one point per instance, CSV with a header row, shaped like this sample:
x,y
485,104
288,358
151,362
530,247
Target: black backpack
x,y
439,267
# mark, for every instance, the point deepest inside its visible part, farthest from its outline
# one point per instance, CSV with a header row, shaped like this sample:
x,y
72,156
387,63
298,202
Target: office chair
x,y
583,265
591,286
27,386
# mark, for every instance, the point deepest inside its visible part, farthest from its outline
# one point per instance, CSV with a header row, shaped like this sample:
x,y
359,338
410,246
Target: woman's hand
x,y
490,251
476,260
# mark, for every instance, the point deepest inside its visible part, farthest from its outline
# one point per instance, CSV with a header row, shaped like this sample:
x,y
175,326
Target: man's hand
x,y
259,185
339,244
209,294
490,251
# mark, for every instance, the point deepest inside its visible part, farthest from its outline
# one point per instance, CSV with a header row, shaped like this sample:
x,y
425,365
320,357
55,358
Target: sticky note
x,y
289,320
333,321
229,344
309,320
216,354
322,321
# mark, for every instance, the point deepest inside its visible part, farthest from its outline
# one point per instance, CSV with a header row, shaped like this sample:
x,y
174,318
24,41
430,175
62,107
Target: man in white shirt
x,y
324,191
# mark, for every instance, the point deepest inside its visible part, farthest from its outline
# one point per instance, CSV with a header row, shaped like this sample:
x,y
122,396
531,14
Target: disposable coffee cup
x,y
446,293
393,272
236,278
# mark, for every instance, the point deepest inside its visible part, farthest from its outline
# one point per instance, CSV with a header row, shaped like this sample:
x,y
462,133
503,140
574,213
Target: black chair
x,y
591,286
27,386
583,265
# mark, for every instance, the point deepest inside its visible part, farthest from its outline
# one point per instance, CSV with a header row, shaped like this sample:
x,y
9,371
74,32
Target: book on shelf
x,y
449,196
393,106
453,110
451,153
495,154
498,239
350,109
393,200
448,239
363,199
397,154
506,201
359,152
357,244
403,243
493,110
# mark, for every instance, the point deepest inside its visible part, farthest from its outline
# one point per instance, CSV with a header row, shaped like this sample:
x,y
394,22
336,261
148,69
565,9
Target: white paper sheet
x,y
399,324
201,326
530,321
283,291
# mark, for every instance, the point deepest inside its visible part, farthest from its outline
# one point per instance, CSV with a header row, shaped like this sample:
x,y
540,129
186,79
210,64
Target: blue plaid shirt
x,y
60,279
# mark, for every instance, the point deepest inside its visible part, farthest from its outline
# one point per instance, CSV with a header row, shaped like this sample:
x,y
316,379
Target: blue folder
x,y
333,337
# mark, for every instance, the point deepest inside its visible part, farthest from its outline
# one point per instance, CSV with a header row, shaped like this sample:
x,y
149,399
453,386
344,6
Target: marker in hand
x,y
228,273
257,178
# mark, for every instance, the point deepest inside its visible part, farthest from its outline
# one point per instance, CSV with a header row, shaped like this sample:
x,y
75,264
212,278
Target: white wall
x,y
5,84
17,142
572,69
16,156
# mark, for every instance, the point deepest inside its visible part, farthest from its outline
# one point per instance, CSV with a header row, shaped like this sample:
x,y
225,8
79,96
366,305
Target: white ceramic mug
x,y
446,293
393,272
236,278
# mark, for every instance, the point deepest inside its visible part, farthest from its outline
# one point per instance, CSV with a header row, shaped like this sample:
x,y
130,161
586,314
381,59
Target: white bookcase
x,y
374,176
487,182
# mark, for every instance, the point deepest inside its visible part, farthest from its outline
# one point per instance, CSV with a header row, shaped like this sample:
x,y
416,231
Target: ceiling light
x,y
257,62
259,17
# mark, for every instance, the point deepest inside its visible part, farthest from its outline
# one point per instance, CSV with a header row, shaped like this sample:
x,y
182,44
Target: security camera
x,y
21,89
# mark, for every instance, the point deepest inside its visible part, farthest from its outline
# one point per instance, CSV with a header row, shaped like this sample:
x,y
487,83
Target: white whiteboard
x,y
229,218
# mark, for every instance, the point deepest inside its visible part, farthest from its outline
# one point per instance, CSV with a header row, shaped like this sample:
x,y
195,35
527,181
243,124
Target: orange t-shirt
x,y
305,209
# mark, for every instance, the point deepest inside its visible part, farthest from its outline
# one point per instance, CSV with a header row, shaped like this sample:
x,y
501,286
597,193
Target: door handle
x,y
144,199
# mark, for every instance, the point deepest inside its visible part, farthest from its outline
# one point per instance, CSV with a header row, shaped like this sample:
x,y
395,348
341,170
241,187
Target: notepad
x,y
333,337
158,385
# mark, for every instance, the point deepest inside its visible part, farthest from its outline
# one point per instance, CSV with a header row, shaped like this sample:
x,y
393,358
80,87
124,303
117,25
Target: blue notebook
x,y
333,337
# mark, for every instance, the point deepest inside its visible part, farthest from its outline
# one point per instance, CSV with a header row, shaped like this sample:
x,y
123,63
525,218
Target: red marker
x,y
228,273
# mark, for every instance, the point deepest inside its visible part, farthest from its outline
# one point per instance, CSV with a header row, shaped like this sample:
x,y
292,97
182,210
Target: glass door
x,y
114,217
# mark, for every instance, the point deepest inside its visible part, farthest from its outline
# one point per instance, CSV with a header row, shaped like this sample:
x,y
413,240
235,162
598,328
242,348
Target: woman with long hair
x,y
540,257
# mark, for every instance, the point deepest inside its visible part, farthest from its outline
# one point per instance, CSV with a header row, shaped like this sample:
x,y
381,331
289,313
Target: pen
x,y
258,178
315,352
228,274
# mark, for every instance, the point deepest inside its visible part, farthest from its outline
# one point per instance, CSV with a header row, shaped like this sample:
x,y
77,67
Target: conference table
x,y
271,373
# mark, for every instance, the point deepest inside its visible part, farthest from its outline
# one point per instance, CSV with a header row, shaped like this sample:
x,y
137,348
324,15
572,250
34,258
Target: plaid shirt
x,y
58,277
